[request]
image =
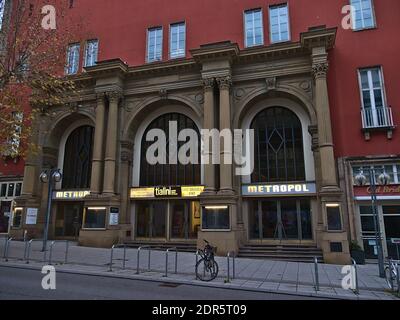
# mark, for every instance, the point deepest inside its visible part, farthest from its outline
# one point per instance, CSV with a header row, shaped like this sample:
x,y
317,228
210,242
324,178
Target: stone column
x,y
32,166
111,143
209,123
226,186
98,148
320,69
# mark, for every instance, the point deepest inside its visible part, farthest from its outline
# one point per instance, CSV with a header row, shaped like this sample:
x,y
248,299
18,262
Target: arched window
x,y
78,159
279,154
169,174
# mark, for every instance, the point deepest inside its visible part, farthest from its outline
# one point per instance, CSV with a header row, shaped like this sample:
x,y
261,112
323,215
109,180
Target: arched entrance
x,y
279,193
75,161
165,202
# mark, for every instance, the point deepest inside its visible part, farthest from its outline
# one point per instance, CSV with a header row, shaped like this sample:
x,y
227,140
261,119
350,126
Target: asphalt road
x,y
25,284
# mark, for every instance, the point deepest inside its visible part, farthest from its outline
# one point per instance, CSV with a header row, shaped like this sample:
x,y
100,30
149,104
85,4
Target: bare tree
x,y
32,65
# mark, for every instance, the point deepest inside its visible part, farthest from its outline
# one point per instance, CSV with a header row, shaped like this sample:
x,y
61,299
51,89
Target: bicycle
x,y
391,273
207,268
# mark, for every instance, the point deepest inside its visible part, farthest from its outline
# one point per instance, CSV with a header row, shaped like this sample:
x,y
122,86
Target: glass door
x,y
5,213
280,220
151,219
185,219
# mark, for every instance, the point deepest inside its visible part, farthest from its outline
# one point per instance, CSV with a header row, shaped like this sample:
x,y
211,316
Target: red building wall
x,y
121,28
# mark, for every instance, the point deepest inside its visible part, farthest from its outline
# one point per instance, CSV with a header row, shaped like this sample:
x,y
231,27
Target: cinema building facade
x,y
301,192
110,193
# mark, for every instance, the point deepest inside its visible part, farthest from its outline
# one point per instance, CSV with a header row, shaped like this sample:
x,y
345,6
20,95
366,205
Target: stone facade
x,y
219,80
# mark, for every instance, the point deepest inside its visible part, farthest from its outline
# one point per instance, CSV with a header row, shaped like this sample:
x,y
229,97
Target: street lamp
x,y
49,176
383,179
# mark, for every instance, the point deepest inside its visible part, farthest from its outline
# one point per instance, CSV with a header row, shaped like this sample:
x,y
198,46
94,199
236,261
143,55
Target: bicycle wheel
x,y
206,270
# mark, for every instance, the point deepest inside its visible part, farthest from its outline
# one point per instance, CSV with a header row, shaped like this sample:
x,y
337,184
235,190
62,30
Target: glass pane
x,y
10,192
5,212
95,219
289,219
367,223
334,219
159,219
3,191
364,210
370,249
306,220
391,210
194,219
364,79
143,219
270,219
216,219
179,221
254,222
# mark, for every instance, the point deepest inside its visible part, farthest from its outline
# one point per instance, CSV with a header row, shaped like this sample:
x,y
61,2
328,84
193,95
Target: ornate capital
x,y
208,83
114,96
224,82
320,70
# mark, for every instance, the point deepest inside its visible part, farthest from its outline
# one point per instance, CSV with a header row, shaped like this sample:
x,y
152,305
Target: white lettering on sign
x,y
281,189
71,194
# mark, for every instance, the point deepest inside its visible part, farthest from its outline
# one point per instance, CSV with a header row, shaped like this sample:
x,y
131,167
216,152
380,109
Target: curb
x,y
189,282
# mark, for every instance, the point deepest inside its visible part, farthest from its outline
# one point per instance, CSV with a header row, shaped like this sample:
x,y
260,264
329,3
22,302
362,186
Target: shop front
x,y
280,212
68,213
8,192
166,213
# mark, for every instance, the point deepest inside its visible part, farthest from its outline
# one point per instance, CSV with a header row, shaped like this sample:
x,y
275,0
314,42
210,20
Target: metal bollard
x,y
111,258
51,251
166,260
7,248
229,256
391,273
316,274
138,258
356,290
66,251
123,263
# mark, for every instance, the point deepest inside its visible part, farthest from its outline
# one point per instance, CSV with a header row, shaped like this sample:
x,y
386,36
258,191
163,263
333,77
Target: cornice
x,y
318,37
215,51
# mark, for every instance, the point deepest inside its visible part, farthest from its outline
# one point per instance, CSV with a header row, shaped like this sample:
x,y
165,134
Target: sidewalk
x,y
250,274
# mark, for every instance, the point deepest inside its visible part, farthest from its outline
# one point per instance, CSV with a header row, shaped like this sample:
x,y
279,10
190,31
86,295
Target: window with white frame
x,y
362,14
375,112
254,30
9,190
154,44
91,53
392,169
2,10
72,59
279,23
177,40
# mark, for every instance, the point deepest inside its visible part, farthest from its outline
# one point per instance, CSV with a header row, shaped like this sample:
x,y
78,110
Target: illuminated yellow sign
x,y
72,195
191,192
142,193
167,192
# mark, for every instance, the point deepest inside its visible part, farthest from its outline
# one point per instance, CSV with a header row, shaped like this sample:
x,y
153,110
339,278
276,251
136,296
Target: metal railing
x,y
30,247
138,258
6,248
166,260
377,118
66,250
355,275
316,274
229,256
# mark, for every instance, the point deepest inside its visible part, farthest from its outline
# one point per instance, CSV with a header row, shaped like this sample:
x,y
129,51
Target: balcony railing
x,y
377,118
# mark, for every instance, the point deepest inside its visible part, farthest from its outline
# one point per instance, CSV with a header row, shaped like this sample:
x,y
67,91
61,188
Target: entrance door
x,y
5,213
185,219
151,219
69,220
288,219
